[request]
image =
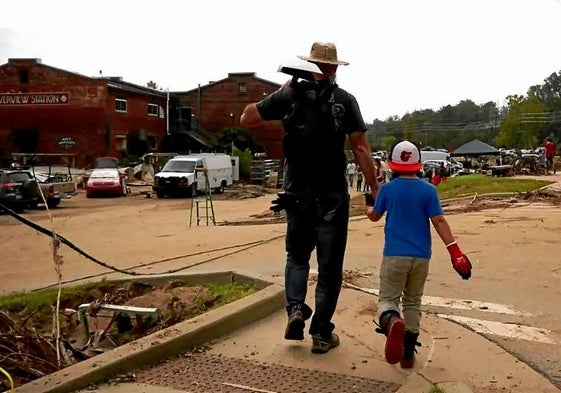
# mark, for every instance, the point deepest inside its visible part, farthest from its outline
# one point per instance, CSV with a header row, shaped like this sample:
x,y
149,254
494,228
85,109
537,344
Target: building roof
x,y
118,84
115,82
231,75
475,148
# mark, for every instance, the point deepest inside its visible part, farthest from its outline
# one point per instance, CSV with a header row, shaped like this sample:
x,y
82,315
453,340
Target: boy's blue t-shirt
x,y
409,204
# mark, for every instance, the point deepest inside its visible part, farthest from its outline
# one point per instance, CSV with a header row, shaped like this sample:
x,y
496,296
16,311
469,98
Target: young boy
x,y
410,203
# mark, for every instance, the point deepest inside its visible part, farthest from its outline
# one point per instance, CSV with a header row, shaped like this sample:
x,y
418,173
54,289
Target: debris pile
x,y
244,191
25,354
543,195
114,315
477,203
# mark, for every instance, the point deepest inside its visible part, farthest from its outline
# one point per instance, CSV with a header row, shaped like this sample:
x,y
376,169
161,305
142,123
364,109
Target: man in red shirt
x,y
549,153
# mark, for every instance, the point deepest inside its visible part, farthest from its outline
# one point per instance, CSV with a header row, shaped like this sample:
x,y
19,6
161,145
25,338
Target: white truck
x,y
185,175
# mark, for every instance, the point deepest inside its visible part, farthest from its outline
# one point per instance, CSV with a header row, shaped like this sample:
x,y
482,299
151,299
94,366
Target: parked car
x,y
18,189
55,186
106,181
102,163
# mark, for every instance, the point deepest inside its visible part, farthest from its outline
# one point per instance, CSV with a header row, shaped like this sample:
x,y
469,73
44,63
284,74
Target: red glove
x,y
460,261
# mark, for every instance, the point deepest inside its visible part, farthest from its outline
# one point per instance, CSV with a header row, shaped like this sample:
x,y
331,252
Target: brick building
x,y
44,109
48,110
219,105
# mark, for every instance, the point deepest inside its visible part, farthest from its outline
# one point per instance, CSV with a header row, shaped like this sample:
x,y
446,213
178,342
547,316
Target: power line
x,y
427,127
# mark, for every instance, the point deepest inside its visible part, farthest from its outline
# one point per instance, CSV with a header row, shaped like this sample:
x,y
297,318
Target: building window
x,y
152,110
120,105
23,76
242,88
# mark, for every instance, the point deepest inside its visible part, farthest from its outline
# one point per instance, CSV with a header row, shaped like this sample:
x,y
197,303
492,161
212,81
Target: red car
x,y
105,181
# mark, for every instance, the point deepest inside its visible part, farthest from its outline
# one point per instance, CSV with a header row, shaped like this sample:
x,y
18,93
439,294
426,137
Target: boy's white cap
x,y
405,157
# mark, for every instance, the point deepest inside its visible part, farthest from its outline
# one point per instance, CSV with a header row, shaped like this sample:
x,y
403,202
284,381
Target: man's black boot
x,y
297,321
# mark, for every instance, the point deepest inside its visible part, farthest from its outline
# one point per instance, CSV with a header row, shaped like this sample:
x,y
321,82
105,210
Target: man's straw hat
x,y
324,52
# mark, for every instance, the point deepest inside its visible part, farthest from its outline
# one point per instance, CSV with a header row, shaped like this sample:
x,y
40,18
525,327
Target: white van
x,y
185,174
434,155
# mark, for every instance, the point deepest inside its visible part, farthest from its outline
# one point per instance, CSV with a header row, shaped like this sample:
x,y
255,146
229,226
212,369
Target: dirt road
x,y
515,249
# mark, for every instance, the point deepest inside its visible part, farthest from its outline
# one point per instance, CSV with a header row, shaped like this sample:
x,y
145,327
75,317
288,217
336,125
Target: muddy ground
x,y
512,241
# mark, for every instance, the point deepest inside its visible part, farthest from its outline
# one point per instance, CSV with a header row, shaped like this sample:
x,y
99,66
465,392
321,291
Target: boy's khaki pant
x,y
403,278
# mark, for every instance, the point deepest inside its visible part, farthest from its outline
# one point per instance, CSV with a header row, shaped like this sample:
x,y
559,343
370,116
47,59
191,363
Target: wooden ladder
x,y
204,209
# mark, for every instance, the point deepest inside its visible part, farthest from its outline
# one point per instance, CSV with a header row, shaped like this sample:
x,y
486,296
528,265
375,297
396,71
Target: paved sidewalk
x,y
456,359
453,357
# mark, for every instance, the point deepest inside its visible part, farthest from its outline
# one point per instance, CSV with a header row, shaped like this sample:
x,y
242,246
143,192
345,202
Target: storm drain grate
x,y
203,372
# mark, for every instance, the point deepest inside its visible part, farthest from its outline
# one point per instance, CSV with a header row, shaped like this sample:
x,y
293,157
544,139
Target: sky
x,y
404,55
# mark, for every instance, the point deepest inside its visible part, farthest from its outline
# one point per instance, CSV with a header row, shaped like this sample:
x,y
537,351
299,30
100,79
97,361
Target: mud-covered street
x,y
513,245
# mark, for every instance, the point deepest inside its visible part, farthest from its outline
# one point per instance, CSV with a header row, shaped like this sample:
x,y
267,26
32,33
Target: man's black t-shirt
x,y
316,123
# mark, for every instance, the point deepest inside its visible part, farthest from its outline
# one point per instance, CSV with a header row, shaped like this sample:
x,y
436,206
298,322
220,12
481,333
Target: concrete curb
x,y
167,342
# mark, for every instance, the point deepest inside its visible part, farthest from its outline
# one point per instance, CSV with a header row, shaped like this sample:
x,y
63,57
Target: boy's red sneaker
x,y
394,341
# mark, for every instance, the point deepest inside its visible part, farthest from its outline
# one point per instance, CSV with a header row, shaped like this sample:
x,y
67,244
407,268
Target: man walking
x,y
317,117
549,153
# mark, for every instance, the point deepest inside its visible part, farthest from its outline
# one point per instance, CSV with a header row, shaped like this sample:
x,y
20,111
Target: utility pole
x,y
167,111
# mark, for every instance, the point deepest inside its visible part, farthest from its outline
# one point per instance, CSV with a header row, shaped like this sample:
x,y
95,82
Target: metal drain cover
x,y
204,372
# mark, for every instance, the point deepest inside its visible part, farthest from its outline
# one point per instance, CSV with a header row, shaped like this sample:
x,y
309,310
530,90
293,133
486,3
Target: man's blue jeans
x,y
316,222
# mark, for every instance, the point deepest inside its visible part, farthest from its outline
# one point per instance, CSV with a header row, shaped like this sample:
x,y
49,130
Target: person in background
x,y
380,172
436,176
351,170
365,188
429,173
359,180
318,118
549,154
410,205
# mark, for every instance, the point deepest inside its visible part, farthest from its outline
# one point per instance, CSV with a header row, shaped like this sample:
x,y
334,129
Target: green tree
x,y
152,85
517,128
246,159
387,142
240,138
550,94
450,126
410,131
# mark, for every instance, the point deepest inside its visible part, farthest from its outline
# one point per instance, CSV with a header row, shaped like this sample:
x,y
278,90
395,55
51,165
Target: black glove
x,y
369,199
283,201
